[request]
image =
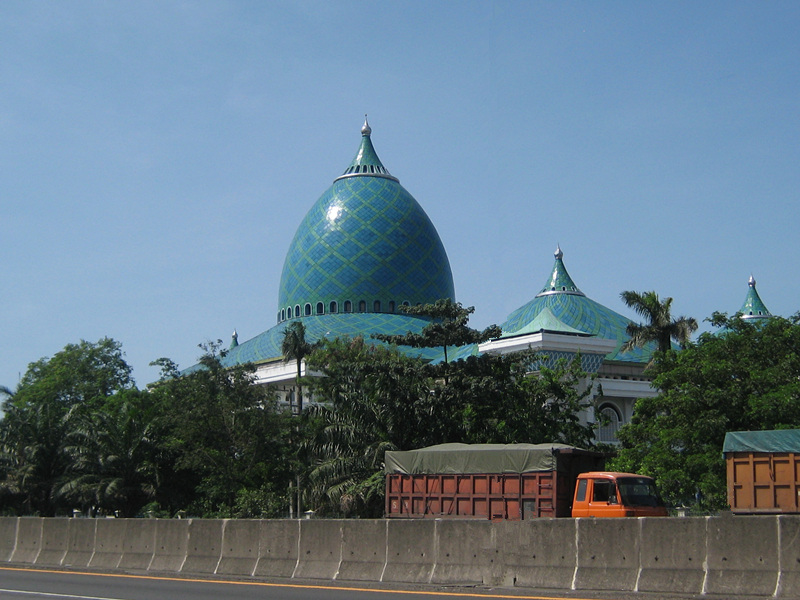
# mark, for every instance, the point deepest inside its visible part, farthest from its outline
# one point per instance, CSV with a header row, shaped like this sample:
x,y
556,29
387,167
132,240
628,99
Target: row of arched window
x,y
308,310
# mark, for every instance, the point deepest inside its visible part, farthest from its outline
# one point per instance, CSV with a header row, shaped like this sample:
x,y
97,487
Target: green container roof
x,y
775,440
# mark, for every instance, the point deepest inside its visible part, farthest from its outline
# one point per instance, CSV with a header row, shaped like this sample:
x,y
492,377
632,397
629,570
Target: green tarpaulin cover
x,y
779,440
475,458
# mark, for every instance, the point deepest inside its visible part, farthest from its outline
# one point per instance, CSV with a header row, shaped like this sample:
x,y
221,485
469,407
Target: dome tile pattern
x,y
266,346
566,303
366,242
753,307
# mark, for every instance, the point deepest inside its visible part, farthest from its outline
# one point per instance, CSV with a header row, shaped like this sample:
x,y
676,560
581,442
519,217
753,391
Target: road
x,y
33,584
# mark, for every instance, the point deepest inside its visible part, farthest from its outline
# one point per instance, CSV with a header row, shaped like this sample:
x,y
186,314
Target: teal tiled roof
x,y
266,347
545,321
753,307
366,242
561,301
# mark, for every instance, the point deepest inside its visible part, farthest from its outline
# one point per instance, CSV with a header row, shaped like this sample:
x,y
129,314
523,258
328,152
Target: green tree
x,y
513,398
448,327
295,347
376,399
660,327
113,452
227,439
371,399
35,428
744,377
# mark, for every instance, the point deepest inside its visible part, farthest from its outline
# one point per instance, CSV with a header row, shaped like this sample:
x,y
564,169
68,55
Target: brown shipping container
x,y
763,471
456,492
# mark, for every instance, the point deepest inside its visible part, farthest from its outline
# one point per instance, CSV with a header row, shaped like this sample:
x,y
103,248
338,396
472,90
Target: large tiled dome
x,y
366,246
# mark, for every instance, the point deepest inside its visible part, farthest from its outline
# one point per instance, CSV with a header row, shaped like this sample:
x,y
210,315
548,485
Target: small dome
x,y
561,302
753,307
365,246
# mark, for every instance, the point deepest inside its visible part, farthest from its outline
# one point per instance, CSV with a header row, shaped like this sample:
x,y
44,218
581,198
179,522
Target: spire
x,y
366,161
753,307
234,340
560,282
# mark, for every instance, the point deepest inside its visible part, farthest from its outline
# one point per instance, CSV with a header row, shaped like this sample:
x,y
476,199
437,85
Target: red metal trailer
x,y
486,481
763,469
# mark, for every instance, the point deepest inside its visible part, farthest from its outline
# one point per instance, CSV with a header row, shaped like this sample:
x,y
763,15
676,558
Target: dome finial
x,y
559,254
365,128
752,281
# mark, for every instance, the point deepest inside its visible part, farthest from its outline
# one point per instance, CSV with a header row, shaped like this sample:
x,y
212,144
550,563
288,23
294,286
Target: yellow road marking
x,y
296,585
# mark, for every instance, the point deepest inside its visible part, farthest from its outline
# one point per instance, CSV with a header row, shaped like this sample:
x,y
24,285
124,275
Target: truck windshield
x,y
638,491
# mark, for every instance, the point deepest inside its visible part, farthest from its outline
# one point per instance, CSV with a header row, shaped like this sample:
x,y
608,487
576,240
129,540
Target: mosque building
x,y
366,248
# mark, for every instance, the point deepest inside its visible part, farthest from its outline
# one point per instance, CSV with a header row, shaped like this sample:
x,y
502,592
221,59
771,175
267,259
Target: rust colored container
x,y
482,495
763,471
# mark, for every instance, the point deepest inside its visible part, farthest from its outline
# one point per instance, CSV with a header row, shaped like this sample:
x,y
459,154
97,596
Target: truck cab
x,y
608,494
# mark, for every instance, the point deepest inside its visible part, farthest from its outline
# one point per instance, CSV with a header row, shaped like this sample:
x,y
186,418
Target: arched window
x,y
376,306
288,313
348,306
308,310
610,422
334,307
320,308
296,310
362,306
391,306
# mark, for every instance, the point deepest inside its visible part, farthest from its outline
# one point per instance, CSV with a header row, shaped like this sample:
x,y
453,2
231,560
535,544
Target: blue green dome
x,y
563,308
366,246
753,307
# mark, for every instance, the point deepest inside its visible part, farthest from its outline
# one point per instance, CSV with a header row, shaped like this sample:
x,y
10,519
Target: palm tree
x,y
295,347
113,455
660,327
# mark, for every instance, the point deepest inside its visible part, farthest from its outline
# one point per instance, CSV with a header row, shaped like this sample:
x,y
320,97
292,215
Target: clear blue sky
x,y
157,157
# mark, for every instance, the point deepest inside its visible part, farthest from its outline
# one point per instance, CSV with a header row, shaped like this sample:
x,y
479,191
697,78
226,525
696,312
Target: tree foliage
x,y
226,440
294,346
77,434
744,377
375,399
36,425
372,399
448,327
660,326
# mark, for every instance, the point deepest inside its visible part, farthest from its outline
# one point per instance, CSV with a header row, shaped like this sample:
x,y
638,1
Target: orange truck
x,y
608,494
512,482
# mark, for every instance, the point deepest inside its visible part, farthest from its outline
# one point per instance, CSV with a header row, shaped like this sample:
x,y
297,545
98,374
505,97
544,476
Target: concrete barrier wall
x,y
540,553
29,540
721,556
363,550
204,549
608,554
410,551
109,537
742,554
278,548
672,552
138,547
465,552
240,547
320,549
171,545
789,552
80,543
55,542
8,538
